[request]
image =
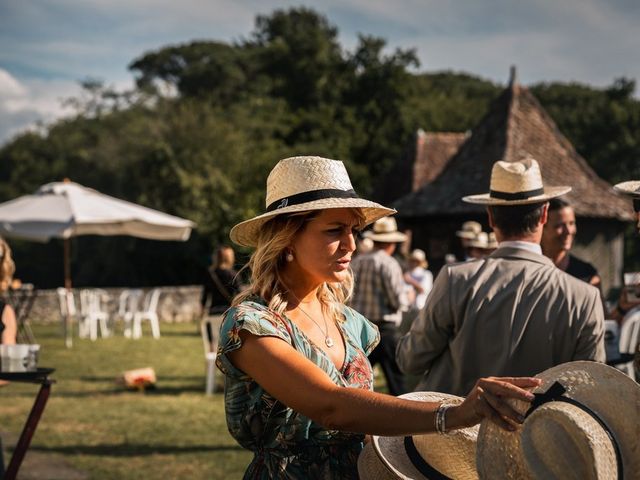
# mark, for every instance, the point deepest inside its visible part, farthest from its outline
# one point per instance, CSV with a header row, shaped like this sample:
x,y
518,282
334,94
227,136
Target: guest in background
x,y
466,234
221,283
379,294
418,277
512,313
8,325
557,239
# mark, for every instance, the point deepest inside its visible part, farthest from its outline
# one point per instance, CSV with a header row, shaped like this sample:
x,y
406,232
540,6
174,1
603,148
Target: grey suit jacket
x,y
511,314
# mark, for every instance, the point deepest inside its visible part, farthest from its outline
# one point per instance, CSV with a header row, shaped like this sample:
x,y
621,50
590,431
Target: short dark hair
x,y
558,203
516,220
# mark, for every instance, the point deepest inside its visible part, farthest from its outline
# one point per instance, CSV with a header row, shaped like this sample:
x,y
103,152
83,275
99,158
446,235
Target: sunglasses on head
x,y
636,205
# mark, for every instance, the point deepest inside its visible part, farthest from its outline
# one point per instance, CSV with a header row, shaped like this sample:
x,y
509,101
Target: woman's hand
x,y
487,400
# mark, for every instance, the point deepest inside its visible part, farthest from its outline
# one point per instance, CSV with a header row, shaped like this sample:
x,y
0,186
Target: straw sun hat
x,y
385,230
422,456
420,257
516,183
632,187
584,424
469,230
300,184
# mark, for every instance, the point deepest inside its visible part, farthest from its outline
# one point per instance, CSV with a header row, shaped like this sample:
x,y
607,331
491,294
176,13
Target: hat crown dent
x,y
516,177
295,175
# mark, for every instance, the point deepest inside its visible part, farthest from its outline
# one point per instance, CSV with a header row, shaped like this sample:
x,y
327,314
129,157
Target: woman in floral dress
x,y
299,388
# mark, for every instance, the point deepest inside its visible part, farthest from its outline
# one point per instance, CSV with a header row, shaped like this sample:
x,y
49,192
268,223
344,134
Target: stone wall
x,y
176,304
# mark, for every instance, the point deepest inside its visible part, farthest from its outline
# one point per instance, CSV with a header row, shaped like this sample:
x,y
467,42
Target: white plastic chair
x,y
629,338
208,330
68,313
128,306
92,314
148,312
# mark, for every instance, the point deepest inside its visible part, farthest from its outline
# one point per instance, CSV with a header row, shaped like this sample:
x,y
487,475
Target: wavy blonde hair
x,y
268,261
7,265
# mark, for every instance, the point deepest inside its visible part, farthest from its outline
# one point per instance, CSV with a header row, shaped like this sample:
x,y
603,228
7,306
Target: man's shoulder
x,y
570,284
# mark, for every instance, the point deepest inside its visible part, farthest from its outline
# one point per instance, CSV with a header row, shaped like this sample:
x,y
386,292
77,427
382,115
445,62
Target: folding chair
x,y
148,312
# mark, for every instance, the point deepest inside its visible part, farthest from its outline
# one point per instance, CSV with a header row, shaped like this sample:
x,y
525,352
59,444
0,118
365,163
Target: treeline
x,y
207,121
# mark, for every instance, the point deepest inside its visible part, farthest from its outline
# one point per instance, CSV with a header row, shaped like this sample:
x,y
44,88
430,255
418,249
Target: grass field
x,y
174,431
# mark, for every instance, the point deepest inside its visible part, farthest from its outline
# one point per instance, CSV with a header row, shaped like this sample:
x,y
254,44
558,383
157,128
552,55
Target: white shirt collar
x,y
529,246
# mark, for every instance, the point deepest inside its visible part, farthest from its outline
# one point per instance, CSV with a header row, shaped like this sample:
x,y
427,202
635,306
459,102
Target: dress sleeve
x,y
363,331
255,319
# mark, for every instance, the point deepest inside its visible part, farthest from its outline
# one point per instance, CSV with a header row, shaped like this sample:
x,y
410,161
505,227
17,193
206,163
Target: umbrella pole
x,y
68,321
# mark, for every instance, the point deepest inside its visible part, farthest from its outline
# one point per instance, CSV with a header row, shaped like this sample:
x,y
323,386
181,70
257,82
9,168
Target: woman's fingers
x,y
486,410
503,388
503,409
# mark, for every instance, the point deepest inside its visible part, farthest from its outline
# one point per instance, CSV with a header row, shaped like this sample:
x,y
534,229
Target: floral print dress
x,y
287,444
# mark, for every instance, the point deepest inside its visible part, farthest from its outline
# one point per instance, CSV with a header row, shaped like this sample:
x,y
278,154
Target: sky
x,y
48,46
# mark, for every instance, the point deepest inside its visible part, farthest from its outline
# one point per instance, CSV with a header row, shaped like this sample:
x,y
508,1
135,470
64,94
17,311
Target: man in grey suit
x,y
511,314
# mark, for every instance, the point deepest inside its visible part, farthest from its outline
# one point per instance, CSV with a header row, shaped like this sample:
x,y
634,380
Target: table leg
x,y
29,429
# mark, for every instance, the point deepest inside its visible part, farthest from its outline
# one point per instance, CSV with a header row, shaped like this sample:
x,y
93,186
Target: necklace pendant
x,y
328,341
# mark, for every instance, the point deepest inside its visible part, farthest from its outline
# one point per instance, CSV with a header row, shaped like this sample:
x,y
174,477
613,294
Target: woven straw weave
x,y
452,454
561,441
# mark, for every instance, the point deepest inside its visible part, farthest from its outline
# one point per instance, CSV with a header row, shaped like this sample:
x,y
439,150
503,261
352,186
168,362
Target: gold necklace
x,y
328,341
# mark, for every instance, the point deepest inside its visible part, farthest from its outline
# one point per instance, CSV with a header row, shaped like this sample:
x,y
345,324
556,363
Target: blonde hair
x,y
7,266
225,258
268,260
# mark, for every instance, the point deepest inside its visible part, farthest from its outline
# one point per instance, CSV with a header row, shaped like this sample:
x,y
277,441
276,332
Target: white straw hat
x,y
493,241
427,456
516,183
632,187
583,424
481,240
419,256
300,184
385,230
469,230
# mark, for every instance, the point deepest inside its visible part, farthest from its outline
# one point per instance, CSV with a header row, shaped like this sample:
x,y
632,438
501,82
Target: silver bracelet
x,y
440,418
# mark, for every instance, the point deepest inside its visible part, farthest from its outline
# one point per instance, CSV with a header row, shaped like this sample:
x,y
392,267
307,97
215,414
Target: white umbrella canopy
x,y
67,209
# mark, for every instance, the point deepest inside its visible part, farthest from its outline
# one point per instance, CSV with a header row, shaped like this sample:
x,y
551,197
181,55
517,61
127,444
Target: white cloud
x,y
24,104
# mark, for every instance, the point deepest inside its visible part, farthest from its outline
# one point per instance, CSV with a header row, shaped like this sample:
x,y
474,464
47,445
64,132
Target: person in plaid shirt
x,y
378,295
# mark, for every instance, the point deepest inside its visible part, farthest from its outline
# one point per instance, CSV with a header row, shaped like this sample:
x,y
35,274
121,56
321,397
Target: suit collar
x,y
511,252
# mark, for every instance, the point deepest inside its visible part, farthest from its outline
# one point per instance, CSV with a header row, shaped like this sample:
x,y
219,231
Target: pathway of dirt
x,y
39,465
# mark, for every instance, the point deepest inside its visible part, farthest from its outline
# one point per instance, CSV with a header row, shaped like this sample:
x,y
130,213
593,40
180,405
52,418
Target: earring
x,y
289,257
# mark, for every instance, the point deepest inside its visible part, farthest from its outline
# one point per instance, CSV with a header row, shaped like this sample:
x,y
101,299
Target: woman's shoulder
x,y
360,329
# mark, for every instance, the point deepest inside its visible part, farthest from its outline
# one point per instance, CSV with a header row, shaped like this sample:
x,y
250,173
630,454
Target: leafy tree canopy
x,y
207,121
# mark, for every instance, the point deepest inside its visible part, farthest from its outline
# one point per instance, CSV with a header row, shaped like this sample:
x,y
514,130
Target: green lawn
x,y
95,425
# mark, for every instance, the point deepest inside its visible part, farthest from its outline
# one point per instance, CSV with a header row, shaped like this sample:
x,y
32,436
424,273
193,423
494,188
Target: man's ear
x,y
491,222
545,214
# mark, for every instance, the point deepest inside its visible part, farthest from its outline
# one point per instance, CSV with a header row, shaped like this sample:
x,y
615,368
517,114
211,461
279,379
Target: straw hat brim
x,y
246,233
487,199
389,237
608,392
631,187
391,451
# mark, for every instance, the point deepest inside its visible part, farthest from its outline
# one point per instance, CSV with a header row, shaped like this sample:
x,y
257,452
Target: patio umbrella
x,y
67,209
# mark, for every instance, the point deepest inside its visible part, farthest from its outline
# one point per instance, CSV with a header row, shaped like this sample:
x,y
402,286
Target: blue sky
x,y
47,46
